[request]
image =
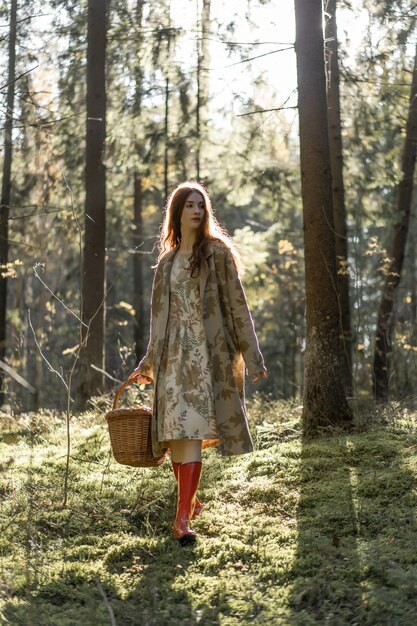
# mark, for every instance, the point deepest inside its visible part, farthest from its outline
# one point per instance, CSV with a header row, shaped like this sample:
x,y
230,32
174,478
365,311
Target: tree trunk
x,y
166,128
5,192
324,397
93,279
412,248
339,212
139,326
385,323
202,78
412,265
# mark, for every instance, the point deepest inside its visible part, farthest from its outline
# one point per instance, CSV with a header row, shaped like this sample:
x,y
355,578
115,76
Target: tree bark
x,y
413,280
5,192
139,326
386,322
93,279
324,398
202,79
166,122
338,192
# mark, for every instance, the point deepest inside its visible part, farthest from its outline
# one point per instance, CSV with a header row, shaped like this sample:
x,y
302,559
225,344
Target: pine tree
x,y
339,211
93,279
324,397
5,190
386,317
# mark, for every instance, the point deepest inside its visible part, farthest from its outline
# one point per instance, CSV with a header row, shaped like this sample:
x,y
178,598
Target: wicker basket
x,y
130,434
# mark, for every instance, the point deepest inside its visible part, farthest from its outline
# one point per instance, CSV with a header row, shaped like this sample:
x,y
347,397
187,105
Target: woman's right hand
x,y
140,378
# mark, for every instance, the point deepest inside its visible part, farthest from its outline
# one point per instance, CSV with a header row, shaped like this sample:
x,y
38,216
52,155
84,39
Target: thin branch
x,y
280,108
34,214
17,377
31,17
77,355
51,369
254,43
24,19
50,122
106,602
98,369
353,79
56,297
258,56
266,111
20,243
18,77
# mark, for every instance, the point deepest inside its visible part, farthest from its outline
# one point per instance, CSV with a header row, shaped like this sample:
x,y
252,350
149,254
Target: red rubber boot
x,y
198,507
188,481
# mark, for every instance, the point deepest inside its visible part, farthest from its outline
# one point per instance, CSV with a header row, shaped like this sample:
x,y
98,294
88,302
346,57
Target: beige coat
x,y
231,341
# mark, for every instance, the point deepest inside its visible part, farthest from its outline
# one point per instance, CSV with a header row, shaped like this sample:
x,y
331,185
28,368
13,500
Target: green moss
x,y
303,531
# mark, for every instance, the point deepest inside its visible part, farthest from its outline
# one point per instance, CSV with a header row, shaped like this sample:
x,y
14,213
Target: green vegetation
x,y
299,532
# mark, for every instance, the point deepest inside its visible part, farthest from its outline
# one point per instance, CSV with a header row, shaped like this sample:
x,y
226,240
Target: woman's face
x,y
193,212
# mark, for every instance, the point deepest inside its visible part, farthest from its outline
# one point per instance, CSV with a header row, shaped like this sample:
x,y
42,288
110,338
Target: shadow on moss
x,y
356,523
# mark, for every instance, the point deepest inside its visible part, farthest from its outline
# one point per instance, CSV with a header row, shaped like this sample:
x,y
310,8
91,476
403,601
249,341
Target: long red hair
x,y
209,228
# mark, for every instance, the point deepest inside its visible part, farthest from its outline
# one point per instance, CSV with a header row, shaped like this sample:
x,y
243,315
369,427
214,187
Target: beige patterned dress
x,y
185,396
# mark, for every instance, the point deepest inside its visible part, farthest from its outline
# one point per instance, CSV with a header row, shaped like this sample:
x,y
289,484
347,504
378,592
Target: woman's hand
x,y
259,377
139,378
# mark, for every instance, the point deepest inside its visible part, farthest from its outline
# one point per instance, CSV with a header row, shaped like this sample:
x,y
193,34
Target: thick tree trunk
x,y
339,212
202,78
324,397
385,323
93,284
5,192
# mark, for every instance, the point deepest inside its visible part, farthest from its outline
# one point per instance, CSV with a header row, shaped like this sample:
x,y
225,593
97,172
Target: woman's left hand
x,y
259,377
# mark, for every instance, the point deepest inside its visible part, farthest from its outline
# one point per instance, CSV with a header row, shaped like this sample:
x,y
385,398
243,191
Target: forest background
x,y
306,530
202,90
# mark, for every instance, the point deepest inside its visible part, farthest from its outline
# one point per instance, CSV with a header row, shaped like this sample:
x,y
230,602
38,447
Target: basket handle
x,y
120,391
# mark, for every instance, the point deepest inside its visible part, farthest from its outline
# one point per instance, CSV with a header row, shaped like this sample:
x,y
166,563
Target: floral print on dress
x,y
185,397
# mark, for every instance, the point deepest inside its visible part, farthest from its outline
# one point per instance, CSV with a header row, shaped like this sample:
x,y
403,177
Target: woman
x,y
201,336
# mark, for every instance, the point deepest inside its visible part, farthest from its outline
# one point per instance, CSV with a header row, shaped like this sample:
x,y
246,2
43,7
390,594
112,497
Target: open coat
x,y
231,342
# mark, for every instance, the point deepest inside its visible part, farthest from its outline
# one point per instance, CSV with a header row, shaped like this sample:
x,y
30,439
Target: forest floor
x,y
300,532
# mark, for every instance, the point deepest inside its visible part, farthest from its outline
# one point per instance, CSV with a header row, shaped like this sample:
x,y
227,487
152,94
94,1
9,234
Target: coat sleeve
x,y
242,320
145,366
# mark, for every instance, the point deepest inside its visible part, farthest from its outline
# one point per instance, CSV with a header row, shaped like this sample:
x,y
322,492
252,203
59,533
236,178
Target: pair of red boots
x,y
188,505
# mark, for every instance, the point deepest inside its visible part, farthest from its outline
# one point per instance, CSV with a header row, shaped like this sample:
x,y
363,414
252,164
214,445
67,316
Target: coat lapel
x,y
162,314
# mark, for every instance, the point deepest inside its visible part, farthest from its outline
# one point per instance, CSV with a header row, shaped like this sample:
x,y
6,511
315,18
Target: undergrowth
x,y
303,532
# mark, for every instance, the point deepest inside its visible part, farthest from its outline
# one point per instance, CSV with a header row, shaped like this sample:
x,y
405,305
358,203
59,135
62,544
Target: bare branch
x,y
98,369
258,56
17,377
211,69
50,122
18,77
56,297
35,214
106,602
51,369
280,108
266,111
25,19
